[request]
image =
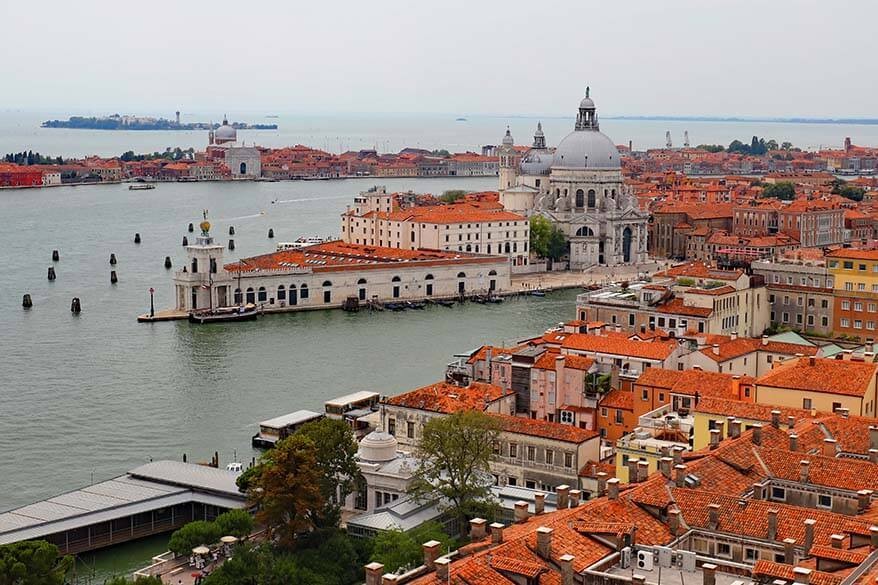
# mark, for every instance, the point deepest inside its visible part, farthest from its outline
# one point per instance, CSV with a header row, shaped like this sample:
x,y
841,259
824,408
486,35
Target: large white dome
x,y
226,133
587,149
377,447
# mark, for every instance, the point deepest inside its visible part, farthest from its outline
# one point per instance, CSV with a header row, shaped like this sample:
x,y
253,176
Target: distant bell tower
x,y
539,137
507,161
178,117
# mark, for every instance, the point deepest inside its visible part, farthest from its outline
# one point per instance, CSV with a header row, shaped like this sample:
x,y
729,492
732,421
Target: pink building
x,y
562,390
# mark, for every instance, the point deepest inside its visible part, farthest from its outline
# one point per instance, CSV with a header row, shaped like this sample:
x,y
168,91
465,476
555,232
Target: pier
x,y
154,498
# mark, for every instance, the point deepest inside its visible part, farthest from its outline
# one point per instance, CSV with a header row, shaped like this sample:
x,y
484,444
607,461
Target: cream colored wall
x,y
820,401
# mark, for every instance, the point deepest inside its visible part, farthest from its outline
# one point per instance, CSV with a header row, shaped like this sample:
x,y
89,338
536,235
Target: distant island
x,y
869,121
117,122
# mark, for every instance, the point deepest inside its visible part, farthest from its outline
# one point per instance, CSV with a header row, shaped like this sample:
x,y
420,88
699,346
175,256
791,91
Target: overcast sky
x,y
640,57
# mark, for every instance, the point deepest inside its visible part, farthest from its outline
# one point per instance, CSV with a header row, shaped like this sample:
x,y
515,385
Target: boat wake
x,y
251,216
304,199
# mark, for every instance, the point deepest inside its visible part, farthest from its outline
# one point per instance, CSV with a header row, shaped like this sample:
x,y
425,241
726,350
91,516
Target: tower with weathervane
x,y
203,283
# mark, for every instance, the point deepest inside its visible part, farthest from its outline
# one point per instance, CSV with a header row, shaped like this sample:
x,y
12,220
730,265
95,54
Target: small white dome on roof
x,y
226,133
378,446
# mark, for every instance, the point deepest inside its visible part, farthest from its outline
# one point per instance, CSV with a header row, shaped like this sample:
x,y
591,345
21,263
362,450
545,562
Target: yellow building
x,y
855,282
824,385
644,448
713,413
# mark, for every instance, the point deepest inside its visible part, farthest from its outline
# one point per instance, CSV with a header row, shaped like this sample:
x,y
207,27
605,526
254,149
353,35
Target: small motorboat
x,y
495,300
537,293
141,186
445,303
248,312
396,307
415,305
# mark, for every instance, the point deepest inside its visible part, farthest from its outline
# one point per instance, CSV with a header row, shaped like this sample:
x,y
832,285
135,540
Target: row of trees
x,y
234,522
174,154
32,158
786,191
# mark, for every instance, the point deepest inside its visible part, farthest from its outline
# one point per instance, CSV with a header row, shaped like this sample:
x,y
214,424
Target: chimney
x,y
431,553
642,470
809,535
829,447
575,497
873,455
677,452
873,537
844,412
873,437
837,540
544,542
680,475
757,434
735,428
734,335
374,571
602,482
637,579
736,386
521,512
757,491
812,361
497,533
794,442
801,575
720,425
389,579
713,516
714,438
539,503
846,355
613,488
477,528
674,521
632,470
764,340
715,349
804,466
864,498
870,345
772,524
562,494
443,569
791,422
789,551
775,419
708,573
665,464
488,359
566,562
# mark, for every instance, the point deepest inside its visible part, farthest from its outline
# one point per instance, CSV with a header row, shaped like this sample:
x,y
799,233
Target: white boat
x,y
300,243
141,186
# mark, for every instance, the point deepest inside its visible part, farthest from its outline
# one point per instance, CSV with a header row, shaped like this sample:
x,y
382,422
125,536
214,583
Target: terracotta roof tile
x,y
448,398
545,429
618,345
828,376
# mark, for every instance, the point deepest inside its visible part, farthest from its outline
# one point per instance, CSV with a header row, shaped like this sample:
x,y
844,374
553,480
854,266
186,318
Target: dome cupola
x,y
587,147
377,447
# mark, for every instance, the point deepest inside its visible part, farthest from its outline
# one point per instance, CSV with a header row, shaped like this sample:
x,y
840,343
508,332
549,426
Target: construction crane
x,y
685,139
668,143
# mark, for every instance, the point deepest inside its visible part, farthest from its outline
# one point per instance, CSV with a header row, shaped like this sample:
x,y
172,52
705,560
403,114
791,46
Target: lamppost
x,y
151,302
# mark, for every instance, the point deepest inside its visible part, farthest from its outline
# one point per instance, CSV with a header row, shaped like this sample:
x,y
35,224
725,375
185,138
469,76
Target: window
x,y
806,403
858,324
568,459
723,550
824,304
531,453
410,429
751,554
644,395
845,322
495,447
550,457
778,493
603,412
391,426
513,450
858,306
303,291
619,416
262,294
845,305
512,481
824,501
566,417
848,265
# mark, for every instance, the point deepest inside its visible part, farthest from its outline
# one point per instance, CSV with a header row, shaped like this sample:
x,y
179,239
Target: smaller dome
x,y
226,133
377,446
587,103
507,139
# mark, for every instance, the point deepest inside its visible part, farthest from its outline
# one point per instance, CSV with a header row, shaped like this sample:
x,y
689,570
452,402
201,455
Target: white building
x,y
579,187
243,161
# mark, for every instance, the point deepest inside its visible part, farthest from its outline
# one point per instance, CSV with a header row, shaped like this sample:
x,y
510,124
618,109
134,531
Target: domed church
x,y
579,187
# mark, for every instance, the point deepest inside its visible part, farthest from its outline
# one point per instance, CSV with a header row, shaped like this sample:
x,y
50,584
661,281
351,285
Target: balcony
x,y
666,417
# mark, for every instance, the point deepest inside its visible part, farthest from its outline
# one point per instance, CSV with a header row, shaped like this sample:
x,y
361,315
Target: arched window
x,y
281,293
294,294
429,286
584,231
362,289
243,168
395,279
263,294
239,298
613,192
303,291
580,198
251,295
492,273
461,275
327,283
428,277
327,291
213,265
506,248
591,198
469,248
361,281
514,247
194,265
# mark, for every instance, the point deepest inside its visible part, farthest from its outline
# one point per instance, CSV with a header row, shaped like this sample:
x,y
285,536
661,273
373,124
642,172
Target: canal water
x,y
85,398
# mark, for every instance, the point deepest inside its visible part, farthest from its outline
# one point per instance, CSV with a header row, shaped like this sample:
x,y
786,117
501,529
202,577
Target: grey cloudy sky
x,y
641,57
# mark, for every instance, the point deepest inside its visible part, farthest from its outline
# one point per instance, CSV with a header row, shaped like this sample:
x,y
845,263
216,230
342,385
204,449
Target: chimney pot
x,y
873,537
794,442
544,542
566,562
864,498
829,447
708,574
497,533
713,516
477,528
539,503
431,553
443,569
602,482
575,497
837,540
521,513
374,571
801,575
715,349
665,464
677,452
775,419
812,361
804,467
562,493
632,470
791,422
764,340
613,488
789,550
757,434
642,470
389,579
734,428
772,524
873,437
674,521
714,438
809,534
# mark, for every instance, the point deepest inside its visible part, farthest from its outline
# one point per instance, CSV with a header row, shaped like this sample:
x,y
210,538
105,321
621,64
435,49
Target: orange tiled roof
x,y
619,345
747,410
783,571
829,376
854,254
618,398
545,429
676,306
447,398
744,345
691,381
841,473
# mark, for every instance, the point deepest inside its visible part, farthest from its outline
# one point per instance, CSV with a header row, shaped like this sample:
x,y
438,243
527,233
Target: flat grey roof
x,y
149,487
351,398
294,418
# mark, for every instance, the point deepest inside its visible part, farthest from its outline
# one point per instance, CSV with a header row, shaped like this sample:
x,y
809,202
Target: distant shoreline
x,y
858,121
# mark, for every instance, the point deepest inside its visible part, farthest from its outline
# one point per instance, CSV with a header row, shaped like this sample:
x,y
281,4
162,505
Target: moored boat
x,y
248,312
141,186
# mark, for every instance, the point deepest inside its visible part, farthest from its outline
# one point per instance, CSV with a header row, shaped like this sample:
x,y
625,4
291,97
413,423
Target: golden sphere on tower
x,y
205,226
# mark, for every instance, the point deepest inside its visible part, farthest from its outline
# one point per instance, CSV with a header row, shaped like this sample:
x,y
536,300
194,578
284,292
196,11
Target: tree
x,y
851,192
33,562
452,195
455,451
786,145
286,489
784,190
194,534
395,548
711,147
771,145
557,244
235,522
546,240
139,580
336,461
